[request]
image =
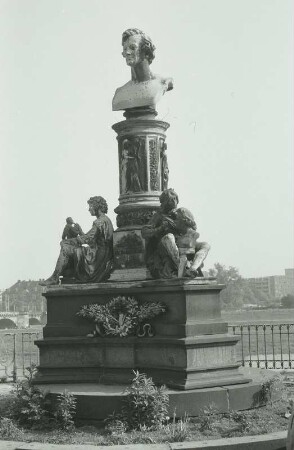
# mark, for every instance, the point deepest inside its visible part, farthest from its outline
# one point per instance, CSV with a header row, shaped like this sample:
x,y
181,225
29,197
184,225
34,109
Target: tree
x,y
237,291
231,296
224,275
288,301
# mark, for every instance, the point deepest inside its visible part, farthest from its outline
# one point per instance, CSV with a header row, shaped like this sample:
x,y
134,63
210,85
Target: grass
x,y
277,316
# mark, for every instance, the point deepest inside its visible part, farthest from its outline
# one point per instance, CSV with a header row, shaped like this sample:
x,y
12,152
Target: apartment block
x,y
276,286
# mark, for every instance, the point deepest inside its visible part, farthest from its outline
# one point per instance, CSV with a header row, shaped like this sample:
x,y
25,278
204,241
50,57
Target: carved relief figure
x,y
133,183
145,88
71,229
87,258
171,238
124,164
164,166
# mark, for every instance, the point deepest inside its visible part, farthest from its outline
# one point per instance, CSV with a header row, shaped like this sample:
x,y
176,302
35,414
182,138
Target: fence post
x,y
14,367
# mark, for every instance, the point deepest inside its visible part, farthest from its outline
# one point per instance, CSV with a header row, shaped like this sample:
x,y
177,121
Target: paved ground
x,y
273,441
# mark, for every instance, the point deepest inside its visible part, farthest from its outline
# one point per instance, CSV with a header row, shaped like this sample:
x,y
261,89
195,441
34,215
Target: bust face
x,y
92,210
131,50
169,204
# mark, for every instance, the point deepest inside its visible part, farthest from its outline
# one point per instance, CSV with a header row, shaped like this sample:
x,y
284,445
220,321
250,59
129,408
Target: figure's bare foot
x,y
190,273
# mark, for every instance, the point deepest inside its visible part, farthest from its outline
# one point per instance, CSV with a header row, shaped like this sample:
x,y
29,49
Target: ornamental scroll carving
x,y
164,165
134,217
154,165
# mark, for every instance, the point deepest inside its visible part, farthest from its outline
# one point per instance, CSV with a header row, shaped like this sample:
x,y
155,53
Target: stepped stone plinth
x,y
191,347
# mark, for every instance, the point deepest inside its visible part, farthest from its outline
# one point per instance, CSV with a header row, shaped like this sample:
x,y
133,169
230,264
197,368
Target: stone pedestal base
x,y
97,401
191,348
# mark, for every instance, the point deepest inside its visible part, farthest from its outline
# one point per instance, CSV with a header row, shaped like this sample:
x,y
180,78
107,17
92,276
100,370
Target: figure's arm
x,y
78,229
64,234
157,227
88,237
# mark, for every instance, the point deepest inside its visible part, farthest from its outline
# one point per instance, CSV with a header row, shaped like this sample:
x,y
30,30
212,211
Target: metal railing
x,y
268,346
17,351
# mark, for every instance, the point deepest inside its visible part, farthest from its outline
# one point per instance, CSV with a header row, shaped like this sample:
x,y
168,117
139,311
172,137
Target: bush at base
x,y
144,406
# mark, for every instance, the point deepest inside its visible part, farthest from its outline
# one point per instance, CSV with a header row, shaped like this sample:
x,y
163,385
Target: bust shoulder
x,y
137,94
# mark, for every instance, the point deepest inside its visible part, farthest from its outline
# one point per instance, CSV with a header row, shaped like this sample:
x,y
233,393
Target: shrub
x,y
241,422
115,425
270,387
287,301
9,430
3,379
144,406
207,417
29,405
65,410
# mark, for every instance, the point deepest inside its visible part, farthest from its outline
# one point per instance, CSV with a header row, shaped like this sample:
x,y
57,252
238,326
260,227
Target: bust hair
x,y
187,217
146,45
167,195
98,203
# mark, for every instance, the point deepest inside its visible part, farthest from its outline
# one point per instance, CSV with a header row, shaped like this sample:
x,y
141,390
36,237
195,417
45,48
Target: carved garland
x,y
122,317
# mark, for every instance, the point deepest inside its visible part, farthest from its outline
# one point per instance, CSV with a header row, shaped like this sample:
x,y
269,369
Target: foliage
x,y
3,379
9,430
29,406
225,275
260,420
121,316
144,406
207,417
287,301
115,424
241,422
271,387
178,430
65,410
231,296
237,291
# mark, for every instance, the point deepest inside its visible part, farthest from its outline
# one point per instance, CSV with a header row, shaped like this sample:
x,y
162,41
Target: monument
x,y
136,298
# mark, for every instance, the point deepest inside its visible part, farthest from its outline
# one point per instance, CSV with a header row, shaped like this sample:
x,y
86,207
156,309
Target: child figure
x,y
71,229
191,252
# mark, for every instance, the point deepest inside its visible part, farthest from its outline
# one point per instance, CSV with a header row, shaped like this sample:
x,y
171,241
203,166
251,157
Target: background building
x,y
276,286
23,296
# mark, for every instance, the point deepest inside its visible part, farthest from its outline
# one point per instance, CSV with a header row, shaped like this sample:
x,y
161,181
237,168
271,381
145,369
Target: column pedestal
x,y
143,175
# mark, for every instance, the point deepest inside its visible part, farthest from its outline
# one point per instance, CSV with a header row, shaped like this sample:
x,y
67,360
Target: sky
x,y
230,141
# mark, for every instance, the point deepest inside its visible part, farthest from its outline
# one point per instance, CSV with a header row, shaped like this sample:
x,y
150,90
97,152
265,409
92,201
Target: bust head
x,y
169,200
97,204
185,220
69,221
137,47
